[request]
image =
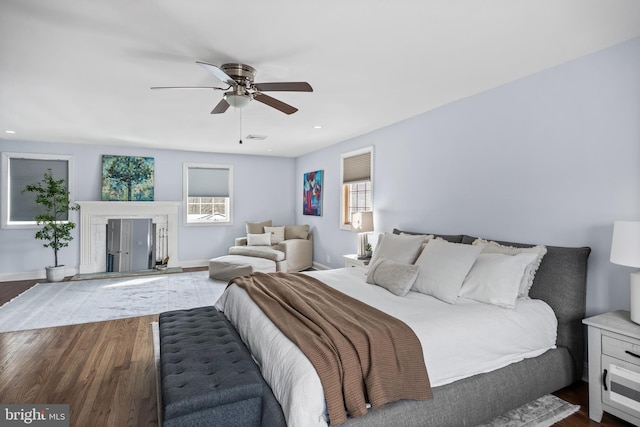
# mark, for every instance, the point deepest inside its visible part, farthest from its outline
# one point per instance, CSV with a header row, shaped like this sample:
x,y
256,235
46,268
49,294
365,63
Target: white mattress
x,y
458,340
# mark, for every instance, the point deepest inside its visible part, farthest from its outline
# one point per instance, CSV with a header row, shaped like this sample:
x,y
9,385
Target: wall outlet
x,y
328,259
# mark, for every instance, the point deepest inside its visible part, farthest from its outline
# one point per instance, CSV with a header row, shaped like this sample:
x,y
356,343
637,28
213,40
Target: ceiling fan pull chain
x,y
240,111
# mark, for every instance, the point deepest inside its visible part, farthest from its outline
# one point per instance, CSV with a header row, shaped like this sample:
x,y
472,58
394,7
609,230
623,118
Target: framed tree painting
x,y
312,193
127,178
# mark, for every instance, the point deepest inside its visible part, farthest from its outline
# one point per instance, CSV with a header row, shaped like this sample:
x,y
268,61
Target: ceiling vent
x,y
257,137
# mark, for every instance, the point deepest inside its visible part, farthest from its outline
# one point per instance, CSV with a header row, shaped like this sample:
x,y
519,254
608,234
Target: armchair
x,y
292,248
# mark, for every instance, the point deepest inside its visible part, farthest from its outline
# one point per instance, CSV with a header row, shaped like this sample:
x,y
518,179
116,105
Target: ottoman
x,y
207,375
229,266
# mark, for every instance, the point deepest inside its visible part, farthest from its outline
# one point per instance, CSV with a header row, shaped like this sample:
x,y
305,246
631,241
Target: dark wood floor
x,y
105,371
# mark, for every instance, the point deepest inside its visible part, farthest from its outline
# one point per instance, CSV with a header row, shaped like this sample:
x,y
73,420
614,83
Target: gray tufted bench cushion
x,y
207,375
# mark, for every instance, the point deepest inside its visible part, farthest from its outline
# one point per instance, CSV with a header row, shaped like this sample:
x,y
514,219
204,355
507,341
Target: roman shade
x,y
23,172
208,182
357,168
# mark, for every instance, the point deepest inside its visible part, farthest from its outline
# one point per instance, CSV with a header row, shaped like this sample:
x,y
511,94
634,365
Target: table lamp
x,y
625,250
362,223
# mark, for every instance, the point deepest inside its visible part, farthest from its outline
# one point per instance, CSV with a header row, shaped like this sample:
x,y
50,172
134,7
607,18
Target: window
x,y
20,169
357,186
208,190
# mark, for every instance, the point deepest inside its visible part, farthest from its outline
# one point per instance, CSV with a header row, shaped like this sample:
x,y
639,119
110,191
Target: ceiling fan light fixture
x,y
237,101
240,78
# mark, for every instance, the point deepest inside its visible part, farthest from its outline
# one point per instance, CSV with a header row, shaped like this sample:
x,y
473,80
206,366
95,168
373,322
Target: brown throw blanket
x,y
360,353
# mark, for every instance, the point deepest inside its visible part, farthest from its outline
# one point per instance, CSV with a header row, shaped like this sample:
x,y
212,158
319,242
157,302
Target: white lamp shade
x,y
625,245
362,222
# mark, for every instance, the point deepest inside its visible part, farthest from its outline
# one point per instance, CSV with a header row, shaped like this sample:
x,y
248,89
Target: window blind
x,y
208,182
23,172
356,168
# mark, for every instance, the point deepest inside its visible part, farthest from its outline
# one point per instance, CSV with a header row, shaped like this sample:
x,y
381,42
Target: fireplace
x,y
93,229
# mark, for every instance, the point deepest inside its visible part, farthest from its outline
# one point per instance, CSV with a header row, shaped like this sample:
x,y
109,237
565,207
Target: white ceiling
x,y
80,71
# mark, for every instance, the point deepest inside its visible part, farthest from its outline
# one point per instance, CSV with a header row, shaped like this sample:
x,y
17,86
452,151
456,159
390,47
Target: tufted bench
x,y
207,375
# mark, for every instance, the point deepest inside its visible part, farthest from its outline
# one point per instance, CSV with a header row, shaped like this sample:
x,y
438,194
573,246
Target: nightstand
x,y
352,260
614,366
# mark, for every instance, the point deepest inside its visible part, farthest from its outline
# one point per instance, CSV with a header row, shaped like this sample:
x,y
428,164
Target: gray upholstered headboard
x,y
561,281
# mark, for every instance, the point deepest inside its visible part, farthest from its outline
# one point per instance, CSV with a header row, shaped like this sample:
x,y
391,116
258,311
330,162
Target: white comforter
x,y
458,340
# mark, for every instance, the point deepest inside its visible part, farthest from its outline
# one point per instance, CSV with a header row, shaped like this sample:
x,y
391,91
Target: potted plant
x,y
53,196
367,250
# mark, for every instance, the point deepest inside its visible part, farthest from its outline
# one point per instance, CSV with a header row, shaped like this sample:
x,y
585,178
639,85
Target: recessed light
x,y
317,127
10,131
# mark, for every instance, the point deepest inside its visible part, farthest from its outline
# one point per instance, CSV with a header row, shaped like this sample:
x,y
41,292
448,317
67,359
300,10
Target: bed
x,y
479,388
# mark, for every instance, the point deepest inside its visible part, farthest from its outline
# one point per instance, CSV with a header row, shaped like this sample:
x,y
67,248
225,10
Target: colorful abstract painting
x,y
127,178
312,197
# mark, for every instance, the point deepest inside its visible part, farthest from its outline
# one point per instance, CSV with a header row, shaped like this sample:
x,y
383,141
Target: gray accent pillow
x,y
394,276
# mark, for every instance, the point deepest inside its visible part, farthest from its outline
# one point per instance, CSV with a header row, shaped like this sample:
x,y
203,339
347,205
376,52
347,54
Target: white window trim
x,y
185,194
4,191
364,150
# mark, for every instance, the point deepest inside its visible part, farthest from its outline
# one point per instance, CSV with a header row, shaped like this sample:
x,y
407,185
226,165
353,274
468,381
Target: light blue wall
x,y
262,188
552,158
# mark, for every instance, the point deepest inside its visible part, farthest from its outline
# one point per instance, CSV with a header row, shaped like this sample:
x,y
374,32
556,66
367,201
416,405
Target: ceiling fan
x,y
242,89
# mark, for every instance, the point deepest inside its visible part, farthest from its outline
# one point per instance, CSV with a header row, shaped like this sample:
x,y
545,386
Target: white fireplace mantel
x,y
93,234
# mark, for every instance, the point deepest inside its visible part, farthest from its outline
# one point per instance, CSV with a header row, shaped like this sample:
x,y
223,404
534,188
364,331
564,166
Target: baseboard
x,y
69,272
194,263
33,275
318,266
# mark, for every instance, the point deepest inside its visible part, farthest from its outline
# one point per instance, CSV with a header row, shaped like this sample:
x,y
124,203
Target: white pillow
x,y
529,273
442,268
259,239
394,276
404,249
495,278
277,234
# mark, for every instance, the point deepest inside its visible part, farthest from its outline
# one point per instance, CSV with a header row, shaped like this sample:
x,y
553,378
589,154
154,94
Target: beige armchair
x,y
292,248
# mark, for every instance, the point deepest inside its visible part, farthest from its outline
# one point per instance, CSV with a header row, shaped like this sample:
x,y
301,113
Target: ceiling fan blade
x,y
221,75
221,107
284,86
272,102
188,87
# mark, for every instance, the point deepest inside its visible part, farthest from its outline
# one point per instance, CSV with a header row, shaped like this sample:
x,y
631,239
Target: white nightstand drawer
x,y
621,385
353,261
627,349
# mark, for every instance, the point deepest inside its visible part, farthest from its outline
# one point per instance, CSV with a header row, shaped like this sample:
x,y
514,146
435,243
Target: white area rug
x,y
542,412
68,303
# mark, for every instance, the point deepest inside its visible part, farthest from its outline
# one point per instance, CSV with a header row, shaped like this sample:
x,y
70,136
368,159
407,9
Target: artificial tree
x,y
53,196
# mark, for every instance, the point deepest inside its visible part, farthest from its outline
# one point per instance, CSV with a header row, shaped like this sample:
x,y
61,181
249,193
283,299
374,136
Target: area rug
x,y
104,275
68,303
542,412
